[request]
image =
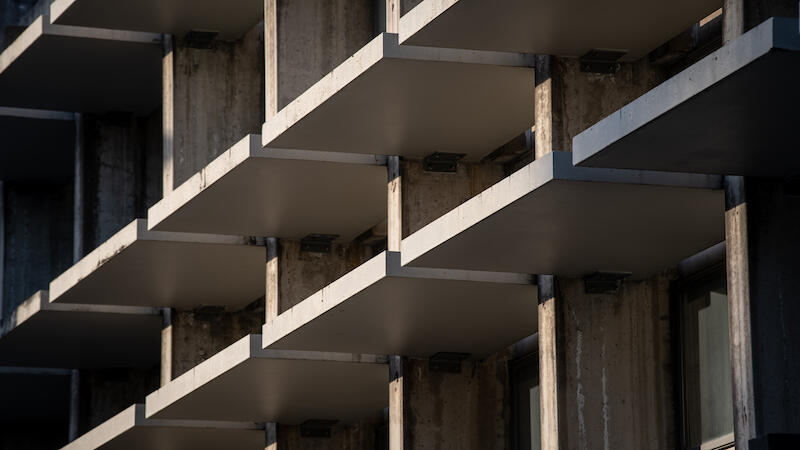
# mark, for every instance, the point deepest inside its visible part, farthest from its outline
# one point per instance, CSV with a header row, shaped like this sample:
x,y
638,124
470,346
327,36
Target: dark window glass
x,y
525,406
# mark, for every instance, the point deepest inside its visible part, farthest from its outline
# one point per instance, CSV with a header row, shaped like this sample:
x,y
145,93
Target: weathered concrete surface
x,y
428,195
762,274
122,172
200,334
468,410
588,97
304,273
361,435
215,99
617,387
37,238
104,393
306,39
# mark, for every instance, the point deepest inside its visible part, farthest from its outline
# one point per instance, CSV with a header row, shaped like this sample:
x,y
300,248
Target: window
x,y
525,403
706,380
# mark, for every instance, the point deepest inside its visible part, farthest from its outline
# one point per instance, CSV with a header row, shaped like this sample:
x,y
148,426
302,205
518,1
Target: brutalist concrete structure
x,y
399,224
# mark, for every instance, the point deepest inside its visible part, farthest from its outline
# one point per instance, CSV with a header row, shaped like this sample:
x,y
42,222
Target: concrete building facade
x,y
399,224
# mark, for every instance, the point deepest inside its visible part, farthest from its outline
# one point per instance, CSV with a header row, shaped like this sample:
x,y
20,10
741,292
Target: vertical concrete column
x,y
394,228
270,58
272,288
74,404
78,197
166,347
392,16
765,392
271,436
397,400
548,109
551,367
168,114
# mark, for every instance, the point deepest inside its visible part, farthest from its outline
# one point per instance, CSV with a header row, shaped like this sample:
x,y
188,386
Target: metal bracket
x,y
200,39
317,428
449,362
601,61
317,243
604,282
442,162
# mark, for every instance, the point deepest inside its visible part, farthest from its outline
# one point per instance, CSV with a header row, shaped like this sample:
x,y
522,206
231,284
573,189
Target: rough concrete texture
x,y
217,98
38,238
303,273
122,172
585,98
104,393
773,217
359,436
200,334
468,410
313,37
618,385
428,195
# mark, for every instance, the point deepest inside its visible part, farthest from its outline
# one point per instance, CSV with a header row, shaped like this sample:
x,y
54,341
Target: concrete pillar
x,y
74,404
551,366
166,347
272,288
78,197
394,227
548,106
121,176
306,39
464,410
760,231
212,97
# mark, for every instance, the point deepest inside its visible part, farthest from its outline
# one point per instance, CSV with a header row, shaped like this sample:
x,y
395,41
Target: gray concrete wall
x,y
122,172
468,410
617,385
104,393
306,39
216,98
428,195
37,238
301,274
358,436
200,334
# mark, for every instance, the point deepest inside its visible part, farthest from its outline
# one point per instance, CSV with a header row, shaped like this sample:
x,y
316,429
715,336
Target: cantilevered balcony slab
x,y
252,191
552,27
130,430
230,18
41,334
553,218
411,101
245,383
66,68
381,307
137,267
37,145
733,112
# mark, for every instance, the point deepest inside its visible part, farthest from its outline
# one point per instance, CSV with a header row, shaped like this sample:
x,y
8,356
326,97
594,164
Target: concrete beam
x,y
245,383
98,70
669,128
178,17
164,269
563,28
131,430
39,333
382,307
300,193
399,100
586,220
